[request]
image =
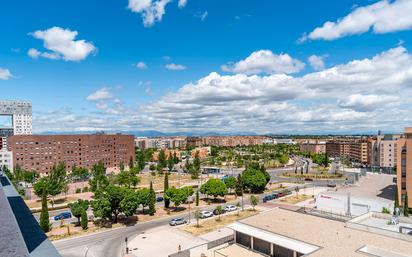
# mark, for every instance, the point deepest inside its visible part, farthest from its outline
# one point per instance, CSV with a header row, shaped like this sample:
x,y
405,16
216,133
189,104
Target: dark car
x,y
63,215
215,212
159,199
177,221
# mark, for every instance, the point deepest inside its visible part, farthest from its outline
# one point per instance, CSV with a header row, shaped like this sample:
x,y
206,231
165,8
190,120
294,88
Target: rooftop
x,y
333,238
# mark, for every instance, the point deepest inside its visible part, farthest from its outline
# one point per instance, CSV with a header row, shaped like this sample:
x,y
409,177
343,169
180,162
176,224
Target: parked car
x,y
216,213
177,221
159,199
229,208
63,215
206,214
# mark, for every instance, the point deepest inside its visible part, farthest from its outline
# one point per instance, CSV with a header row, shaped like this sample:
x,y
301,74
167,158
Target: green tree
x,y
101,208
219,211
177,195
152,202
110,197
284,158
215,187
253,201
79,173
406,206
175,158
140,160
143,196
131,163
130,203
127,178
230,183
99,179
84,221
254,180
170,163
165,188
239,186
197,197
198,216
121,166
195,168
77,208
162,159
44,215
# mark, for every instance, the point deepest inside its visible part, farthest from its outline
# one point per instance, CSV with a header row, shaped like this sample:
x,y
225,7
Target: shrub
x,y
84,220
85,189
78,190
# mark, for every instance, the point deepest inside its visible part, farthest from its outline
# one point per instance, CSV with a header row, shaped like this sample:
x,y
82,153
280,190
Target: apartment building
x,y
404,167
41,152
357,149
231,141
313,146
6,159
338,148
383,151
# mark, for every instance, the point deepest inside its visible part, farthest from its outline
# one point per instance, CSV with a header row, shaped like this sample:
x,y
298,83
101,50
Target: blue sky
x,y
213,86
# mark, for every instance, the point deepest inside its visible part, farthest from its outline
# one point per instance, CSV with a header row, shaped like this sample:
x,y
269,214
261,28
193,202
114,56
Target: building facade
x,y
21,113
41,152
313,146
404,167
383,151
6,159
337,148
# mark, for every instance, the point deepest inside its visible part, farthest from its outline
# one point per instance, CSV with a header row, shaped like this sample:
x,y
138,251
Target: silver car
x,y
206,214
229,208
177,221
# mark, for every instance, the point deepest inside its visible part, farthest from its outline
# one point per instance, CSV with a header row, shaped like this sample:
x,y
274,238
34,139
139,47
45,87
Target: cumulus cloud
x,y
5,74
317,62
381,17
357,96
152,11
265,61
141,65
62,44
174,66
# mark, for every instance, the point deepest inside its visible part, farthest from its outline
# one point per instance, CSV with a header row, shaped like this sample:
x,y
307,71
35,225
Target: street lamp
x,y
127,249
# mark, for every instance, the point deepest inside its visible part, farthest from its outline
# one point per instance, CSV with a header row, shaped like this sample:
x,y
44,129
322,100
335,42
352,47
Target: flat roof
x,y
332,237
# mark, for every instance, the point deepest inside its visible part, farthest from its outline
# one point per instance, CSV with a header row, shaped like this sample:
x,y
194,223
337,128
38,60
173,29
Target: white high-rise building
x,y
21,113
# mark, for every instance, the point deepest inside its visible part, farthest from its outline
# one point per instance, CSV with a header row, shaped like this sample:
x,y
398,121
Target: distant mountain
x,y
152,133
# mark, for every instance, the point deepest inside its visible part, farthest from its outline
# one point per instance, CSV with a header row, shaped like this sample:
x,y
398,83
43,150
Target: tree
x,y
195,168
178,195
130,203
53,184
140,160
253,201
143,196
131,163
254,180
284,158
152,202
197,197
170,163
77,208
99,179
406,206
110,198
239,186
198,216
79,173
165,188
230,183
162,159
84,220
219,211
215,187
175,158
128,178
121,166
44,215
396,204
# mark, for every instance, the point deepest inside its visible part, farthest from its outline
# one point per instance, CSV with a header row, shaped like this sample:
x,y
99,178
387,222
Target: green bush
x,y
385,210
78,190
85,189
44,215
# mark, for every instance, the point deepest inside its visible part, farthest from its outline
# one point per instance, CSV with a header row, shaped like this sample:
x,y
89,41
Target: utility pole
x,y
127,248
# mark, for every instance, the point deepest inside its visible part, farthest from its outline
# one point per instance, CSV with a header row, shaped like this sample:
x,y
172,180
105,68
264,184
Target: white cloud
x,y
182,3
359,96
101,94
317,62
61,44
141,65
264,61
5,74
381,17
152,11
202,16
174,66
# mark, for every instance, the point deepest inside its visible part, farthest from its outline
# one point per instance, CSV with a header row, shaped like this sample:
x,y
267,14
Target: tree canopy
x,y
214,187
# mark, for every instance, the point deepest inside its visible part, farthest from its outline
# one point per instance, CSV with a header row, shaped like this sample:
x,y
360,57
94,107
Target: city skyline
x,y
185,66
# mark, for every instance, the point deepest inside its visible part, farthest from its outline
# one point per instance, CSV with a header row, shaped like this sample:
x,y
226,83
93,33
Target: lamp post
x,y
127,249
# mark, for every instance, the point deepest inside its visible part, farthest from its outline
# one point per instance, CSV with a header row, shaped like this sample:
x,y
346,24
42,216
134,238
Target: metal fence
x,y
202,247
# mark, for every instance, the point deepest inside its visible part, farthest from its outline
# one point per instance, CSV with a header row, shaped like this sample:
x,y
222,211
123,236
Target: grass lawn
x,y
209,225
293,199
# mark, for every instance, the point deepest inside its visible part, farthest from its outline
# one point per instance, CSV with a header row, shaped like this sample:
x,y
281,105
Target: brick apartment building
x,y
41,152
404,167
313,146
356,149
